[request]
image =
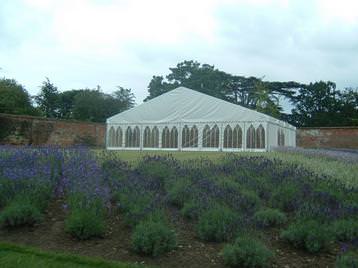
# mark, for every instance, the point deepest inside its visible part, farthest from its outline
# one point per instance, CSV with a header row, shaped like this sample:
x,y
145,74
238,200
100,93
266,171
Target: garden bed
x,y
202,212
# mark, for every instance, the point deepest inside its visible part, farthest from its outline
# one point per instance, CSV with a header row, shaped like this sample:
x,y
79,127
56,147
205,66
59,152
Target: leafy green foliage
x,y
321,104
94,105
179,192
269,217
85,224
284,197
249,200
86,218
310,235
83,104
14,99
153,237
250,92
217,224
134,207
246,252
347,260
48,99
191,210
155,170
20,212
345,229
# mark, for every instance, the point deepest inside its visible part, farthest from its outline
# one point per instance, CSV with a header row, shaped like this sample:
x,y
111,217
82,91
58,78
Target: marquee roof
x,y
186,105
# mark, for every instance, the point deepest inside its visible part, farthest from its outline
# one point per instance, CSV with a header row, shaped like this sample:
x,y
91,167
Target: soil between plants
x,y
116,244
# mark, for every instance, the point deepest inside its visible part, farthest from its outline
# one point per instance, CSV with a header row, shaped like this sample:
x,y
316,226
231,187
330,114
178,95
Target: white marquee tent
x,y
187,120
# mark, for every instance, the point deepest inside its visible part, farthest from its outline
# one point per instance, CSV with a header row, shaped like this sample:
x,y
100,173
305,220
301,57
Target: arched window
x,y
237,137
194,137
260,137
250,137
215,137
147,137
118,137
211,136
206,136
136,137
185,137
174,138
280,137
165,138
111,137
155,138
228,141
128,141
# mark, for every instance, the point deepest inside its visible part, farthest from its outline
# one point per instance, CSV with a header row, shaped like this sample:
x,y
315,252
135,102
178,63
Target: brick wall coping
x,y
50,119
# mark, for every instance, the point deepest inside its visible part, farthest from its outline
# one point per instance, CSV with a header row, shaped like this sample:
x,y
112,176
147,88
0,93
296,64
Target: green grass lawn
x,y
14,256
336,170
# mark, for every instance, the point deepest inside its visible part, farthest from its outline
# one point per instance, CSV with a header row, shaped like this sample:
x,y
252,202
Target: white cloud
x,y
82,43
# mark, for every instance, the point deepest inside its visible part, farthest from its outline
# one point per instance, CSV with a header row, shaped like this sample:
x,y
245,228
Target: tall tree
x,y
66,102
265,101
250,92
48,99
96,106
202,77
14,99
319,104
124,98
349,106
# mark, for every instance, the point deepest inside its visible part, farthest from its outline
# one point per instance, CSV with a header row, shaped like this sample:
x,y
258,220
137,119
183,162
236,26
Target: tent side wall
x,y
281,134
208,136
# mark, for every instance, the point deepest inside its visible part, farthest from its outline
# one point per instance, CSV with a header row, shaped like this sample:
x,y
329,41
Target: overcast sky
x,y
84,43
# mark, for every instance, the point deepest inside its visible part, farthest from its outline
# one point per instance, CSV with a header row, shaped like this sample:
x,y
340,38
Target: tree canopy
x,y
250,92
315,104
14,98
96,106
321,104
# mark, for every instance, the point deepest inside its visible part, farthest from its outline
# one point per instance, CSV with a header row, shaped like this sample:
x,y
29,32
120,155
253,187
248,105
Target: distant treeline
x,y
314,104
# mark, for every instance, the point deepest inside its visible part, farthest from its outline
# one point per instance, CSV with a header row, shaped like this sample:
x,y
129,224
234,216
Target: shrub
x,y
249,200
179,192
269,217
153,237
217,224
84,224
20,212
7,191
86,218
246,252
191,210
310,235
284,197
348,260
345,229
36,193
158,171
39,195
135,207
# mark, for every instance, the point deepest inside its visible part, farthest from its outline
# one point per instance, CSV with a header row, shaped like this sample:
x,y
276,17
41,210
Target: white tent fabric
x,y
185,107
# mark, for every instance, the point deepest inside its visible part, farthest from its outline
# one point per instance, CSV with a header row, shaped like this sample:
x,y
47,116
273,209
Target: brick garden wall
x,y
30,130
328,137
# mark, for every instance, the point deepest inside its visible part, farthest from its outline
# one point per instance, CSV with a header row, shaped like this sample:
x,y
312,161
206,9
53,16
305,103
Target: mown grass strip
x,y
15,256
